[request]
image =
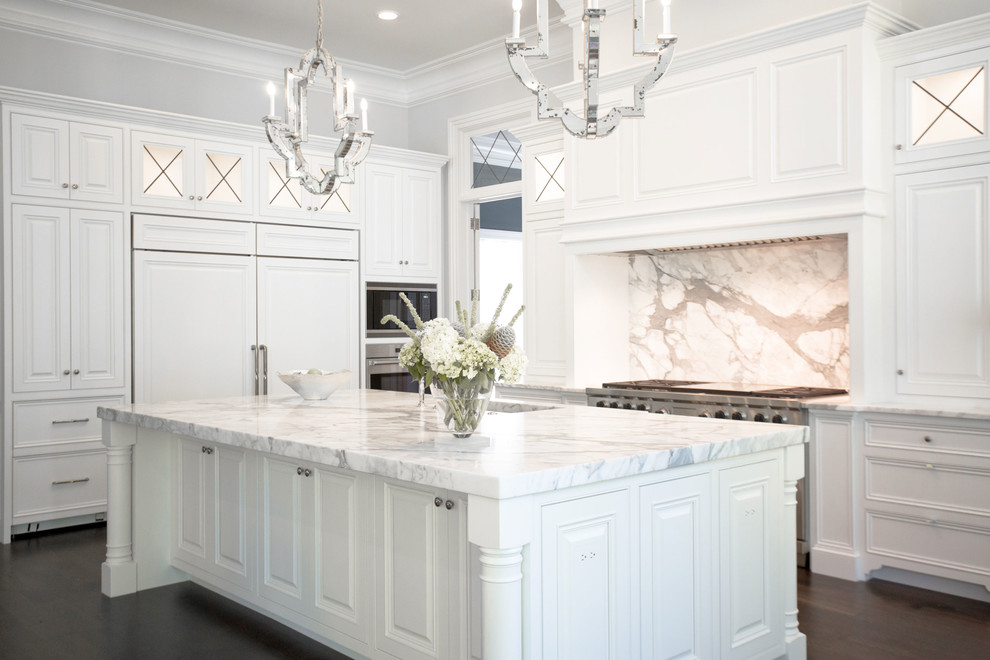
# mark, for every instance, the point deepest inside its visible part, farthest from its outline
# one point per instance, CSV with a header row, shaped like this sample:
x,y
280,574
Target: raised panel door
x,y
96,163
383,228
676,570
97,258
943,302
230,525
411,581
750,579
39,156
586,579
194,326
420,251
283,534
308,317
543,280
41,282
189,522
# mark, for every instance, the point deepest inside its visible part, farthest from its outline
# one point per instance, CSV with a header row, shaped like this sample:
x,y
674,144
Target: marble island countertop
x,y
513,453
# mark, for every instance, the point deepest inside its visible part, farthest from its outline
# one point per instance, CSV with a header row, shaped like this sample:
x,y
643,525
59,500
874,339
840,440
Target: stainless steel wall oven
x,y
383,371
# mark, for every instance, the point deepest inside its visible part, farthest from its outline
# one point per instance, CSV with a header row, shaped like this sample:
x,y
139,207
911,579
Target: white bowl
x,y
315,386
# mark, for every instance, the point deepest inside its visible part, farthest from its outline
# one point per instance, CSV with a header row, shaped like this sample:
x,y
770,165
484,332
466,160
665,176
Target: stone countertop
x,y
513,453
901,409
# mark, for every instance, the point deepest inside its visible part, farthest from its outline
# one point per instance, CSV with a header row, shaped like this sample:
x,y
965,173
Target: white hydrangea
x,y
513,365
439,346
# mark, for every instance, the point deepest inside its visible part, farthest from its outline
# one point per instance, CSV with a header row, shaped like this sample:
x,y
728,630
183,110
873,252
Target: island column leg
x,y
794,639
501,603
119,571
500,529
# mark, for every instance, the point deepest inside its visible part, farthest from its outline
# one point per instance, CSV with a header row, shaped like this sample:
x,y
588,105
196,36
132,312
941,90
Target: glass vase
x,y
461,402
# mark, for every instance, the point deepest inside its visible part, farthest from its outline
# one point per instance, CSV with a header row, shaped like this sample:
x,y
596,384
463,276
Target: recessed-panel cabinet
x,y
943,282
213,521
314,524
403,224
179,172
68,299
66,160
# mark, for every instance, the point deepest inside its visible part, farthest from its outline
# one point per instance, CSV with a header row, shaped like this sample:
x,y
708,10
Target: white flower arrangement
x,y
446,351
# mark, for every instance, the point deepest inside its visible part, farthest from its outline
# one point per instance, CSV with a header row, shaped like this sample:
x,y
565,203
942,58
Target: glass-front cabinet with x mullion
x,y
282,196
180,172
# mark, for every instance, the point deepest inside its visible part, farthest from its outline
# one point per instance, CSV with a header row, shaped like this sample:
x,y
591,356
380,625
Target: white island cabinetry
x,y
661,538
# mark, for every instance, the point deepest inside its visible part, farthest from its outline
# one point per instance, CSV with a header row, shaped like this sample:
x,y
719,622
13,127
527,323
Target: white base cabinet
x,y
901,491
684,562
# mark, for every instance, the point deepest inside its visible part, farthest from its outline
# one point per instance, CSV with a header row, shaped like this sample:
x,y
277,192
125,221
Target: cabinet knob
x,y
75,186
192,196
928,438
437,502
307,472
299,470
449,504
207,450
199,199
65,185
75,371
900,372
898,146
66,372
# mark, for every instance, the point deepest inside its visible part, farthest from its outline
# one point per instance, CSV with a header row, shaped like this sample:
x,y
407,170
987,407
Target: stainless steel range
x,y
773,404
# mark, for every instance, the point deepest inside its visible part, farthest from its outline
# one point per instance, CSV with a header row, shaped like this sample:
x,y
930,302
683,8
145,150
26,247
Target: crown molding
x,y
966,34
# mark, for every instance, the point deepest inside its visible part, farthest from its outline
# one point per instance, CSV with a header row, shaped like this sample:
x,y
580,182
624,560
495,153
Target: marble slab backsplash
x,y
768,314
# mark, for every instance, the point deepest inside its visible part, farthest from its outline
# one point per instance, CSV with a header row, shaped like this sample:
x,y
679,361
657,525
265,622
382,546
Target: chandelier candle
x,y
271,99
666,16
516,8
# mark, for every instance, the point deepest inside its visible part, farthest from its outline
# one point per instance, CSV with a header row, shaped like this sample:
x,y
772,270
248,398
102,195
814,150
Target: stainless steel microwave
x,y
383,299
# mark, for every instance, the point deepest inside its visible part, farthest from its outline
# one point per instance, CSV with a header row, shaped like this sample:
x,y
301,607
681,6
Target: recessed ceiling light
x,y
387,15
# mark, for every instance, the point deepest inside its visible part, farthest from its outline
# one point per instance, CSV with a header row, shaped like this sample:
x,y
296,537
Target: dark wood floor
x,y
51,608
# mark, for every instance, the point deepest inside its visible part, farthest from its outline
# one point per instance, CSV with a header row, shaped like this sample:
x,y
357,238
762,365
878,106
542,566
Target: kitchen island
x,y
569,532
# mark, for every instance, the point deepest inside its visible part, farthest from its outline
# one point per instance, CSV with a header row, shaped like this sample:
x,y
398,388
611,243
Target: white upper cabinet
x,y
178,172
943,282
402,234
942,107
66,160
68,299
282,196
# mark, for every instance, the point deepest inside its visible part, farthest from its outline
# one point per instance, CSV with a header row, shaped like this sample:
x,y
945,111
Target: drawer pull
x,y
928,438
70,481
70,421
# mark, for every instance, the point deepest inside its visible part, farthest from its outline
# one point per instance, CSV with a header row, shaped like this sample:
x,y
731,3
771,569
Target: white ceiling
x,y
426,30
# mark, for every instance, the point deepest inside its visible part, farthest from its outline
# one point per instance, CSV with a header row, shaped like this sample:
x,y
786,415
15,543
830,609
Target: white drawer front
x,y
38,423
153,232
60,485
929,542
932,485
949,439
307,242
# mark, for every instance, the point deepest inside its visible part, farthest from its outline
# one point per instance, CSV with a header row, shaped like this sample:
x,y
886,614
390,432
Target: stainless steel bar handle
x,y
70,421
264,370
70,481
257,381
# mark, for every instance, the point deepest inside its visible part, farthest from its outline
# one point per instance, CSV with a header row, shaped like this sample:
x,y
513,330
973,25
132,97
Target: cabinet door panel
x,y
750,524
283,542
411,584
190,492
39,156
96,163
944,282
308,316
164,166
420,225
585,580
230,513
676,568
224,173
383,244
194,325
41,307
97,299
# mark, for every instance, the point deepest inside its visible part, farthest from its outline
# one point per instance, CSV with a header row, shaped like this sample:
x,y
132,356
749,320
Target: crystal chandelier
x,y
591,125
288,138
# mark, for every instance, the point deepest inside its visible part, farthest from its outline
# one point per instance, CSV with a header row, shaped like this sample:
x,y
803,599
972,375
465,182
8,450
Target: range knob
x,y
779,419
614,404
720,414
627,406
738,415
759,417
641,406
600,404
705,414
